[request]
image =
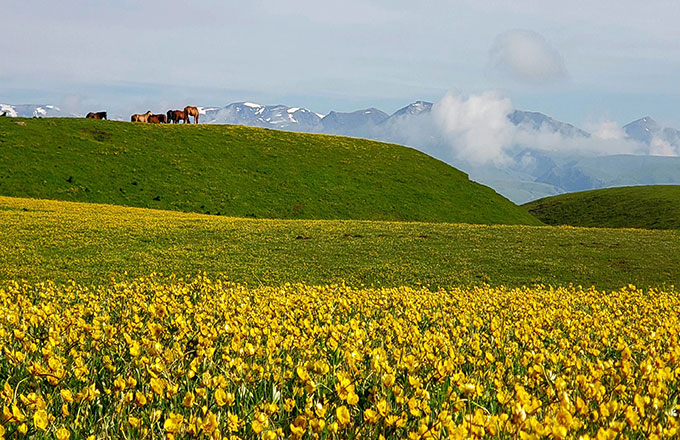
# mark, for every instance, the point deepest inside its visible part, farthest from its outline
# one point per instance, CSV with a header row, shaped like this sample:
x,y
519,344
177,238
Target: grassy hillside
x,y
239,171
647,207
89,243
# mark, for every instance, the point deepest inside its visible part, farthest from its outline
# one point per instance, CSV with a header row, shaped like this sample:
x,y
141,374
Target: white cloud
x,y
661,147
527,56
607,130
476,127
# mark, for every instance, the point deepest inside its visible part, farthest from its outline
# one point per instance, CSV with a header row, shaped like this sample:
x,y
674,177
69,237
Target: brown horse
x,y
191,111
176,116
156,119
141,118
97,115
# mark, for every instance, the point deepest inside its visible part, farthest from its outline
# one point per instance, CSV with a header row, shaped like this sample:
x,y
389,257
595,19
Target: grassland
x,y
647,207
239,171
90,243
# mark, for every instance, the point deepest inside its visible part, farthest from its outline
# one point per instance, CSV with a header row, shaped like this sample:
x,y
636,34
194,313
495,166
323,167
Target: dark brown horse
x,y
141,118
191,111
176,116
97,115
156,119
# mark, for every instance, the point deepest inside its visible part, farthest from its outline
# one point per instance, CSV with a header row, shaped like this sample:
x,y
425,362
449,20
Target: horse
x,y
176,116
97,115
157,119
141,118
191,111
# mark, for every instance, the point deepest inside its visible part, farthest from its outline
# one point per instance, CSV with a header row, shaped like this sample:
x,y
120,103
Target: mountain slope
x,y
239,171
661,141
647,207
539,121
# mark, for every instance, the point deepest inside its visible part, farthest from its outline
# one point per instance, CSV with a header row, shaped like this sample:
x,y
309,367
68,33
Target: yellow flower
x,y
140,398
119,384
66,395
188,400
388,380
631,417
41,419
342,414
173,423
288,405
157,385
135,349
17,415
371,416
260,422
383,407
134,421
269,435
233,422
223,398
298,427
210,422
63,434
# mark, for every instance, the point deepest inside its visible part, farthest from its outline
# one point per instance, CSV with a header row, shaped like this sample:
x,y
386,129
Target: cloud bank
x,y
475,129
527,56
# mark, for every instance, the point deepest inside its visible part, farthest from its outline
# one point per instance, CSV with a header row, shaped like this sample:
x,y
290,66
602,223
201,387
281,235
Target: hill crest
x,y
643,207
239,171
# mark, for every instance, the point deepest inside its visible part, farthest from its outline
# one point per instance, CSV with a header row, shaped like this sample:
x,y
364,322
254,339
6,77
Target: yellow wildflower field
x,y
207,358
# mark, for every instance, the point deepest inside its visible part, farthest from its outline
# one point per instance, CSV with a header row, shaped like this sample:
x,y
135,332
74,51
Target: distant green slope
x,y
239,171
647,207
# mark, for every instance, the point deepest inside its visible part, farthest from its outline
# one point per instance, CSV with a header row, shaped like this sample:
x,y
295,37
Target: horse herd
x,y
171,116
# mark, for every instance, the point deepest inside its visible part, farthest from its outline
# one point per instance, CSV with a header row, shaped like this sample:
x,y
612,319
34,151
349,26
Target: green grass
x,y
91,243
239,171
646,207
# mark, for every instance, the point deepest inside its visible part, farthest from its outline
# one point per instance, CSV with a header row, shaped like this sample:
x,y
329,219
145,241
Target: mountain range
x,y
531,172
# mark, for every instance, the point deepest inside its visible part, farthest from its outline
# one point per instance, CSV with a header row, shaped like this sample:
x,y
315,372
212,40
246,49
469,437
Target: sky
x,y
582,62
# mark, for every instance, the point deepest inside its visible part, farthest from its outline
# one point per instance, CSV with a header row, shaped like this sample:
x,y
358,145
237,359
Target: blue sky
x,y
579,61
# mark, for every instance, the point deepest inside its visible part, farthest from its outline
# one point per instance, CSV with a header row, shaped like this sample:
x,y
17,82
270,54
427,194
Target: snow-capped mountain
x,y
414,109
642,130
662,141
356,123
278,117
539,121
32,111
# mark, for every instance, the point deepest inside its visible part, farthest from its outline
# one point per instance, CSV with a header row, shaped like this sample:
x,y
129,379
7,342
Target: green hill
x,y
239,171
90,243
646,207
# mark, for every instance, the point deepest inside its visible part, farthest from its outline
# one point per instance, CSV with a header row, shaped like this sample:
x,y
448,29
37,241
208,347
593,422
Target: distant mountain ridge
x,y
533,172
33,111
